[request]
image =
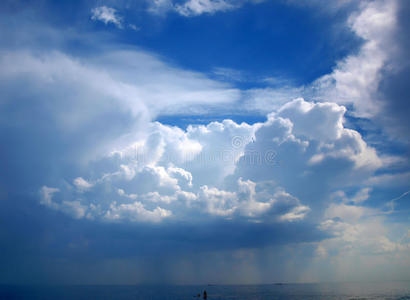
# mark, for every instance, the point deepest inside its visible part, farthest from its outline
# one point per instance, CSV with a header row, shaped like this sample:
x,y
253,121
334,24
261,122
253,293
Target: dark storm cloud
x,y
33,229
36,242
395,86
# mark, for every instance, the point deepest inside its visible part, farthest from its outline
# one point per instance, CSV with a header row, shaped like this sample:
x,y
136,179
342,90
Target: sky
x,y
204,141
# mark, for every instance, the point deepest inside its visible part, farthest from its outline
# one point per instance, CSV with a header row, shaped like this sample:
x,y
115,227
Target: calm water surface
x,y
328,291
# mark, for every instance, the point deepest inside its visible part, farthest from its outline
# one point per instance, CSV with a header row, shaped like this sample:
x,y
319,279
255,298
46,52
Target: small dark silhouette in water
x,y
205,295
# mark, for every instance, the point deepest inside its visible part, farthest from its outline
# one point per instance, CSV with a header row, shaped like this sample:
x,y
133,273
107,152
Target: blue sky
x,y
196,141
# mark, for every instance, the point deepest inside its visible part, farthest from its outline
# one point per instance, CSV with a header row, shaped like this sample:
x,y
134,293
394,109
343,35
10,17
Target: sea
x,y
278,291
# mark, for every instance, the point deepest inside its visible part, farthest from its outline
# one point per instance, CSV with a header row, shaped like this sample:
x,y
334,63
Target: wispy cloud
x,y
134,27
106,15
191,8
228,74
198,7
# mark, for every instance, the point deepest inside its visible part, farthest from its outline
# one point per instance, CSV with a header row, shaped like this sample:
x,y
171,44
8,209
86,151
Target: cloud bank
x,y
94,183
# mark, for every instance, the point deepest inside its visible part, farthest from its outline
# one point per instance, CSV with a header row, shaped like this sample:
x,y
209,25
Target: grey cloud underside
x,y
57,247
85,239
73,251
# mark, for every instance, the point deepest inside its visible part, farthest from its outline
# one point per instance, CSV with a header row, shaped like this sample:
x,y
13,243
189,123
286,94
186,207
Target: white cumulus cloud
x,y
226,170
